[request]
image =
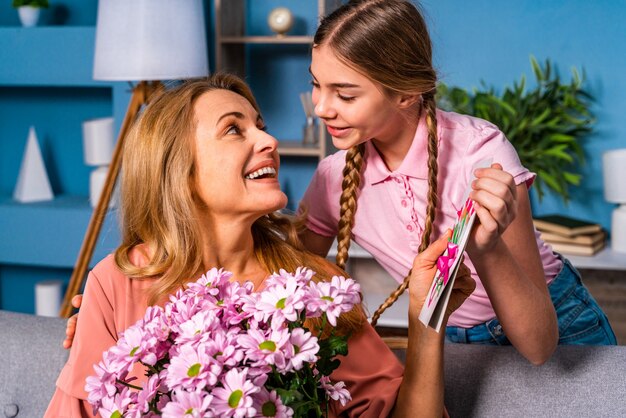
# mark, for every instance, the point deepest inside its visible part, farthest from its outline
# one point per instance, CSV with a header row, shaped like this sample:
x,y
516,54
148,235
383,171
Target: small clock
x,y
280,20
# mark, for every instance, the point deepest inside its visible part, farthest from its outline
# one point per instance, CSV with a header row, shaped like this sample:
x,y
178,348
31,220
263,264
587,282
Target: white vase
x,y
29,15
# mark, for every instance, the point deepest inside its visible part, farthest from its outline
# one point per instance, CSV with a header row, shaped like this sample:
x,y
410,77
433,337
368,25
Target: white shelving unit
x,y
606,259
377,284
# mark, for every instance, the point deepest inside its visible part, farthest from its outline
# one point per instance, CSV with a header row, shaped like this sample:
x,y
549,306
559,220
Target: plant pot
x,y
29,16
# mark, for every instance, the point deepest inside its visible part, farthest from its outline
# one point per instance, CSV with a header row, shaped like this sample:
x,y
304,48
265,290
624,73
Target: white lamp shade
x,y
140,40
98,141
614,171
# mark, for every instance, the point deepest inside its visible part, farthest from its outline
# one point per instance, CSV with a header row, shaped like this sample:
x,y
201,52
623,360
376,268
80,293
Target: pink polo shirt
x,y
389,220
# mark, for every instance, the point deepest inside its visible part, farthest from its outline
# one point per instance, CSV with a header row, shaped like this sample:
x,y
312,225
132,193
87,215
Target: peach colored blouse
x,y
112,302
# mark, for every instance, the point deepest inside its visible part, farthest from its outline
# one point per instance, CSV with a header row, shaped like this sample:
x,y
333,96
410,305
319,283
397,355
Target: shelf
x,y
377,284
267,40
49,234
47,55
606,259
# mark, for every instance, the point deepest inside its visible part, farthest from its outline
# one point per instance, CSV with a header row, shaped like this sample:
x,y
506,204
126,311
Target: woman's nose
x,y
265,142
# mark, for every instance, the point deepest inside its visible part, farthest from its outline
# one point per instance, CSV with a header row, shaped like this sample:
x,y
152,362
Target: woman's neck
x,y
394,145
229,244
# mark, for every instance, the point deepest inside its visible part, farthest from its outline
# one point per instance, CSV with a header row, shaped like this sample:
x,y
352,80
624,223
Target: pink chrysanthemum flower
x,y
337,391
269,404
302,276
104,383
210,282
135,344
281,302
223,347
189,404
334,298
266,347
192,368
117,405
196,329
304,349
234,398
155,323
148,392
179,309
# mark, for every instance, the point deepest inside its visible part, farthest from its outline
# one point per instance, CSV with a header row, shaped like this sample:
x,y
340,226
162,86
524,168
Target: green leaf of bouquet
x,y
338,345
289,396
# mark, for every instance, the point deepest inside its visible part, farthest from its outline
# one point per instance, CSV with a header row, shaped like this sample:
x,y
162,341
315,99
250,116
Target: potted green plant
x,y
545,124
29,10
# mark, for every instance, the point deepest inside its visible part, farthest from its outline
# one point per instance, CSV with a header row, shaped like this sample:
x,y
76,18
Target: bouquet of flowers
x,y
219,349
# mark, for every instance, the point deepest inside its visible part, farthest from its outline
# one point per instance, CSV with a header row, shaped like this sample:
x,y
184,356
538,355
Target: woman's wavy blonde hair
x,y
388,42
158,200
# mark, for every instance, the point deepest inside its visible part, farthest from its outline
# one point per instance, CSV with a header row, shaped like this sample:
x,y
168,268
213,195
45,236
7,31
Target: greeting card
x,y
448,264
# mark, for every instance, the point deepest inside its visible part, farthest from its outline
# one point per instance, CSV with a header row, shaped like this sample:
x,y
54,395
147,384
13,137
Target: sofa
x,y
480,381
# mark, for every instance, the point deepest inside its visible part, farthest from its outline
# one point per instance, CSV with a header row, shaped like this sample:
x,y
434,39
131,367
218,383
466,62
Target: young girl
x,y
408,165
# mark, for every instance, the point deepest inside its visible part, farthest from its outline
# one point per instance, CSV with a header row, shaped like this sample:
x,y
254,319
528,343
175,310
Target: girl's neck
x,y
394,145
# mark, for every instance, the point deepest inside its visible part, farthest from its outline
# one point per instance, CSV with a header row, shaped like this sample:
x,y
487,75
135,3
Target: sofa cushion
x,y
577,381
32,360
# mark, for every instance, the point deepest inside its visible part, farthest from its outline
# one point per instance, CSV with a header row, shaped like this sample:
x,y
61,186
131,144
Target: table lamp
x,y
142,41
614,171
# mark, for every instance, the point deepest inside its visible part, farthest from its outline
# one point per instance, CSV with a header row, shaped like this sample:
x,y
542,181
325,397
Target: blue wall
x,y
473,42
492,41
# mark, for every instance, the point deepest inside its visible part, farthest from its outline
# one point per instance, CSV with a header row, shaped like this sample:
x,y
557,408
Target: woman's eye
x,y
233,130
345,98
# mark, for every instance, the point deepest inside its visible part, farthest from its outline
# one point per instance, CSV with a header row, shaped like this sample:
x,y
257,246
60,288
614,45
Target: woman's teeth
x,y
265,171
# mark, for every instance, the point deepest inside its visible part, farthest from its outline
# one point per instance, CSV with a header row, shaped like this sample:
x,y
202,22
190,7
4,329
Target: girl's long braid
x,y
348,201
431,122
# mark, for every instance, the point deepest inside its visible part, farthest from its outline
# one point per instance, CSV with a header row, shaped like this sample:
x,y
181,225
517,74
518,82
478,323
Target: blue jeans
x,y
581,321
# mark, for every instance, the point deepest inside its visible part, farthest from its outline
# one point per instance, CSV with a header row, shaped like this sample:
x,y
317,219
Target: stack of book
x,y
568,235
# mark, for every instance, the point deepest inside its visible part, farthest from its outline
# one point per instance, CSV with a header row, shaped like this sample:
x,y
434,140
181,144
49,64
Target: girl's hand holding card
x,y
495,201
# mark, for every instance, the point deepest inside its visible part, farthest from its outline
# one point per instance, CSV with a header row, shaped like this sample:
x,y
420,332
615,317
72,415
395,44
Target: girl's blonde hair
x,y
158,200
387,41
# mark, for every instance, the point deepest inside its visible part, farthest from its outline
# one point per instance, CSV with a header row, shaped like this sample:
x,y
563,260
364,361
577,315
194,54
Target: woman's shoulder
x,y
109,273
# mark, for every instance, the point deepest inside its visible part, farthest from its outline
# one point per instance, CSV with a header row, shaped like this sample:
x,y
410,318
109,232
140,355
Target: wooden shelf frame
x,y
231,41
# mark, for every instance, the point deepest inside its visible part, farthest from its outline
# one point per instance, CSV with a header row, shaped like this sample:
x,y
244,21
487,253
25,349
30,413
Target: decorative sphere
x,y
280,20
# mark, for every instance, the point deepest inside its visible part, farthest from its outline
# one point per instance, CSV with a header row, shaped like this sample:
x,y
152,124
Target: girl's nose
x,y
323,108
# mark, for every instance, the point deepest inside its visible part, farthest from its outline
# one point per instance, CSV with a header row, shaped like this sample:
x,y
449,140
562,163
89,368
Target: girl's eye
x,y
315,84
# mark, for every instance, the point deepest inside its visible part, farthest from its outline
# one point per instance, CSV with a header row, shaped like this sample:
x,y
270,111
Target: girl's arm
x,y
422,386
504,251
316,243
